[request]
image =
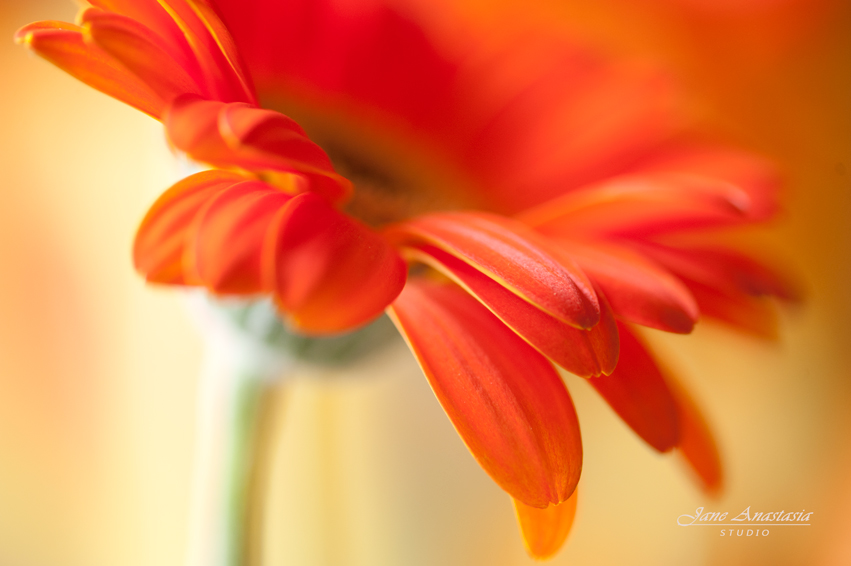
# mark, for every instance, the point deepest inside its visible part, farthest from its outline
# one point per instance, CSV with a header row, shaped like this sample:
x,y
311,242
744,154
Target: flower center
x,y
381,195
394,175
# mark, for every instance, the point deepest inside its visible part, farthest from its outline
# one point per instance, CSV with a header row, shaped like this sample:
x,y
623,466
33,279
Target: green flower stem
x,y
249,352
233,447
244,458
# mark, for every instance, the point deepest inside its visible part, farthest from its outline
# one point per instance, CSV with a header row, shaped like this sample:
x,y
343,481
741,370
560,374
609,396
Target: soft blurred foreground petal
x,y
512,254
329,272
505,400
545,530
141,51
214,49
160,241
639,394
63,45
225,243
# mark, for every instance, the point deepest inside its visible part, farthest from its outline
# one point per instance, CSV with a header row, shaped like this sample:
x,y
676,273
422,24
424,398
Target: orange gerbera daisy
x,y
511,204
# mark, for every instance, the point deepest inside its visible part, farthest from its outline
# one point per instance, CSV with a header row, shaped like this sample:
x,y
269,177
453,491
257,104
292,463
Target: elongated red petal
x,y
192,124
141,51
641,206
724,269
506,401
513,255
265,139
214,49
638,290
63,45
261,141
754,315
583,352
727,286
697,443
161,237
750,173
150,14
225,242
329,272
545,530
209,18
638,393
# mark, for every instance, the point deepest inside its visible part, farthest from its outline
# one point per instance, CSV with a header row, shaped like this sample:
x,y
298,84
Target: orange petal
x,y
214,48
724,269
642,205
545,530
727,286
265,139
161,238
697,443
583,352
754,315
225,242
638,290
511,254
141,51
261,141
149,13
505,400
63,45
329,272
192,125
638,393
755,175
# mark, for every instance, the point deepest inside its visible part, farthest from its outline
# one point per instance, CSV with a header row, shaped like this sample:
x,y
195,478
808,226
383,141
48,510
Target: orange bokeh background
x,y
98,371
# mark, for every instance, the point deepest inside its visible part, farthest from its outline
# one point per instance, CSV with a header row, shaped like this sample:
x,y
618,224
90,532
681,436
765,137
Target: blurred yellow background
x,y
98,372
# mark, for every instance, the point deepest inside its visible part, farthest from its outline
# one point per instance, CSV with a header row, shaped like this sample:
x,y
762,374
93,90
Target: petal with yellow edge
x,y
512,254
161,238
583,352
545,530
141,51
224,245
639,394
150,14
505,399
63,45
271,140
214,48
329,272
261,141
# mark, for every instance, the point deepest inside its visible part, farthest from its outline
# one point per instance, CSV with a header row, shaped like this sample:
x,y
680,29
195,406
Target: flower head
x,y
512,205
